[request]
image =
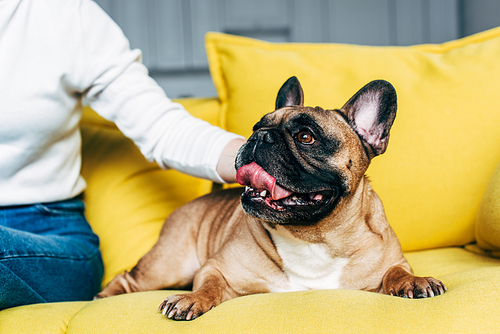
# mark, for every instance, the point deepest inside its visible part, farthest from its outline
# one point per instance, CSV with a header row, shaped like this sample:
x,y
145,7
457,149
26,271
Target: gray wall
x,y
171,32
479,15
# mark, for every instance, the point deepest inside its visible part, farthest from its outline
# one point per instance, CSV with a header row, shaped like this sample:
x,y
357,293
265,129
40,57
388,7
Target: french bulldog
x,y
307,219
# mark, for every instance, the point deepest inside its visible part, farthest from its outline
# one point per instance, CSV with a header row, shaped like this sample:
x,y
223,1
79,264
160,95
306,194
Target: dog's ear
x,y
371,112
290,94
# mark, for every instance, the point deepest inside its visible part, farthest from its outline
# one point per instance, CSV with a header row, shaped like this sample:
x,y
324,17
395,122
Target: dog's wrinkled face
x,y
301,162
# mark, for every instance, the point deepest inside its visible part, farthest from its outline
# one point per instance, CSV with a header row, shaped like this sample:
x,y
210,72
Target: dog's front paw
x,y
417,287
187,306
400,282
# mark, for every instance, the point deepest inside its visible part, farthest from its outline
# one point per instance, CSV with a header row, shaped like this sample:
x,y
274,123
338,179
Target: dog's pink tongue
x,y
253,175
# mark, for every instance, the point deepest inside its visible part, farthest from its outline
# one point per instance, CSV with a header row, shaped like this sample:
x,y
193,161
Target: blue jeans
x,y
48,253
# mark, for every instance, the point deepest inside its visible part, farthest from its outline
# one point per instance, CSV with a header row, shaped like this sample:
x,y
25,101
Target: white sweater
x,y
53,53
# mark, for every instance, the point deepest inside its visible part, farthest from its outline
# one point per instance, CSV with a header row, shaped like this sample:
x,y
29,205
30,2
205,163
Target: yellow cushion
x,y
40,318
445,141
127,197
469,306
488,217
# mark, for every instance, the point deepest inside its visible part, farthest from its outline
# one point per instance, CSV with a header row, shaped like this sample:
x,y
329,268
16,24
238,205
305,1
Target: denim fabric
x,y
48,253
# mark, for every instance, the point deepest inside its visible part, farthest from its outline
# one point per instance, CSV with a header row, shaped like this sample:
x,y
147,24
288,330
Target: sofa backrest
x,y
128,198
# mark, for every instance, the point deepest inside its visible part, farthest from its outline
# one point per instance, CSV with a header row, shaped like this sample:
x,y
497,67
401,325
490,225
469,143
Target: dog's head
x,y
300,162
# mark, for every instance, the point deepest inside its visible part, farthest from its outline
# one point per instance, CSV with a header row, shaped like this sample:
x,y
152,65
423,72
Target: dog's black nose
x,y
267,137
262,136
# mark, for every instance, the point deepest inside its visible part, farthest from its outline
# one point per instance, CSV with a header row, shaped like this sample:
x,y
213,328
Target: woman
x,y
54,53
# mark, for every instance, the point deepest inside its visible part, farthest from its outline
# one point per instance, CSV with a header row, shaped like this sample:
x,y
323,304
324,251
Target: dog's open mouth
x,y
262,188
296,200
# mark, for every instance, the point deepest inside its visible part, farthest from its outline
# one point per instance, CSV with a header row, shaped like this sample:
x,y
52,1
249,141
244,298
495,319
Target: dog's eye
x,y
305,137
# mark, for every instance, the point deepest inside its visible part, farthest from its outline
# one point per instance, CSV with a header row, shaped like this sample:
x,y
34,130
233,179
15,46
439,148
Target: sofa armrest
x,y
488,217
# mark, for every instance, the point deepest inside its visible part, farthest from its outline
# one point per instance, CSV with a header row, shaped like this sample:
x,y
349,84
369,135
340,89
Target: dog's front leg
x,y
209,290
399,282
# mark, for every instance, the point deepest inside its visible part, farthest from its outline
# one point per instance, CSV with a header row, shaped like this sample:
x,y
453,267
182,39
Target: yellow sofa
x,y
438,181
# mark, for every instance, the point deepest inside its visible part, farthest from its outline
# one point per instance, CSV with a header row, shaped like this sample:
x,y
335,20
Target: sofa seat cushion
x,y
40,318
445,141
469,306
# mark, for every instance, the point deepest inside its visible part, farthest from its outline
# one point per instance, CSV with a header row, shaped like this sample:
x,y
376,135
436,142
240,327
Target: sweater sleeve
x,y
118,87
